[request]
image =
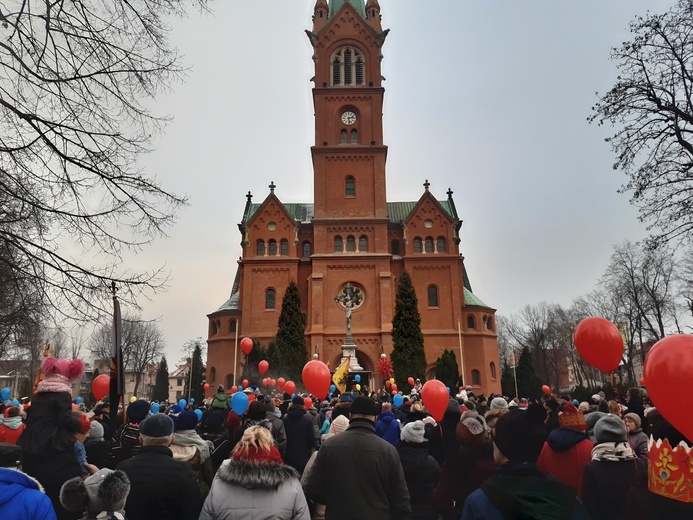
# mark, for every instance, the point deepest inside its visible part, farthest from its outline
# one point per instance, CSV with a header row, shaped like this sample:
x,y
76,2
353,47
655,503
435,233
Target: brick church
x,y
351,233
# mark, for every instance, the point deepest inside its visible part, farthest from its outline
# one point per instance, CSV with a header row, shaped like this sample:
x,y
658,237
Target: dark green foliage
x,y
528,383
408,356
250,370
287,351
447,370
196,382
160,391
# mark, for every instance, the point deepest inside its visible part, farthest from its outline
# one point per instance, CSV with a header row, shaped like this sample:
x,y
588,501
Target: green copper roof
x,y
472,301
336,5
397,211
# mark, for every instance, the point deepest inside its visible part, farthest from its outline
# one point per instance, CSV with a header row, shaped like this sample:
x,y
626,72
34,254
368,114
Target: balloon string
x,y
620,410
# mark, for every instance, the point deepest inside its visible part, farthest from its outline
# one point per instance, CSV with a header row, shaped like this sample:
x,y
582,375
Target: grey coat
x,y
638,441
250,490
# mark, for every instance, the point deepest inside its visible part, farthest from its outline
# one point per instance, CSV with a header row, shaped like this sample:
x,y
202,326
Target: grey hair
x,y
146,440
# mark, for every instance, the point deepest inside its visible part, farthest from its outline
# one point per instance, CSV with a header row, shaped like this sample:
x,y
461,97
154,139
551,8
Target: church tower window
x,y
284,247
441,244
417,245
306,249
432,296
260,248
354,137
272,248
351,243
429,245
350,187
338,244
363,244
348,68
343,137
395,247
269,299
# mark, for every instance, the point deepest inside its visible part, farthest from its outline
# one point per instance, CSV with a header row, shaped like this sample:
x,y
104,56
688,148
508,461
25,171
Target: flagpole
x,y
235,356
190,378
116,385
459,336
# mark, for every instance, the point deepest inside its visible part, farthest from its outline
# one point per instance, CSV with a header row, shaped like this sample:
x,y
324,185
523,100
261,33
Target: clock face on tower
x,y
348,117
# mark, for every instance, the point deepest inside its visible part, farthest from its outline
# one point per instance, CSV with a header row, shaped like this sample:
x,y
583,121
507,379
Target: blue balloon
x,y
192,400
357,377
397,400
183,403
448,388
239,403
198,412
15,402
78,400
332,388
155,408
5,393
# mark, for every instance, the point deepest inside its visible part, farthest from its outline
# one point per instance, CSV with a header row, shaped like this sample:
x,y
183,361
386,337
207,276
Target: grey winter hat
x,y
499,403
158,425
413,432
610,428
95,431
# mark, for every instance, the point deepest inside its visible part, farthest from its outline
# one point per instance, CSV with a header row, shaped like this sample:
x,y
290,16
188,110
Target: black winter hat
x,y
256,411
520,434
364,406
137,411
298,401
157,425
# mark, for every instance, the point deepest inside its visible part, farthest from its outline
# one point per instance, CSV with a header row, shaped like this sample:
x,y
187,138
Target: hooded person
x,y
21,496
192,449
421,470
518,489
387,427
442,441
568,448
100,496
96,446
48,440
220,399
11,426
612,472
255,483
125,441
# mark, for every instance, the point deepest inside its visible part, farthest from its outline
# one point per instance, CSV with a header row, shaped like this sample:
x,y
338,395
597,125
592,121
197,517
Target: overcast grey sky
x,y
489,98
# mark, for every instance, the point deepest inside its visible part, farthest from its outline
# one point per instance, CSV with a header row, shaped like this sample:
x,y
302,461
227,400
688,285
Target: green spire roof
x,y
472,301
336,5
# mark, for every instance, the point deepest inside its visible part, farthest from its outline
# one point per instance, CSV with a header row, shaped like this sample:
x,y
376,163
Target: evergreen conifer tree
x,y
195,382
446,369
160,391
287,351
528,383
408,356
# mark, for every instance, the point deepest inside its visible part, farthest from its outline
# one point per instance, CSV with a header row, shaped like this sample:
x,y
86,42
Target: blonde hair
x,y
416,407
256,436
614,408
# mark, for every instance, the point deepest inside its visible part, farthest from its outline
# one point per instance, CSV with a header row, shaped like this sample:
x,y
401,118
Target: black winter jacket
x,y
300,438
160,487
605,486
421,472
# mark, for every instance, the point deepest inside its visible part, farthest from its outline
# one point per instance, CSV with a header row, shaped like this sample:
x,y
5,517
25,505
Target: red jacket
x,y
11,435
565,455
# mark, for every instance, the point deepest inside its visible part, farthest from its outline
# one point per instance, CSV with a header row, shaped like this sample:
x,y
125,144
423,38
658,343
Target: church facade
x,y
351,233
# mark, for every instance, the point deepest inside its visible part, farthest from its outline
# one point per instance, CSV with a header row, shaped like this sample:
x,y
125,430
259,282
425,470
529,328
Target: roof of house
x,y
472,301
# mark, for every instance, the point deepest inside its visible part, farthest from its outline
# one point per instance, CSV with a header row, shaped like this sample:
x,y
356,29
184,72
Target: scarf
x,y
12,422
191,438
611,451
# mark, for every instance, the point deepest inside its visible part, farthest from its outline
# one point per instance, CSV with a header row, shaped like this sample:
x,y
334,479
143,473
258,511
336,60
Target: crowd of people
x,y
356,455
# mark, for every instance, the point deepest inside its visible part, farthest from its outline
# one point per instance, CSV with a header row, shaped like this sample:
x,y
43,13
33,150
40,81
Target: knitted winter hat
x,y
610,428
572,418
105,490
137,411
453,406
636,419
157,425
471,429
298,402
57,374
256,411
520,434
364,406
259,454
339,425
387,407
95,431
498,403
592,418
187,420
413,432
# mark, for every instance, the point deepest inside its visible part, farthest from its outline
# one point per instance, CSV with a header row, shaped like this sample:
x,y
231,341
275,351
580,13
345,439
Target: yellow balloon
x,y
133,399
358,387
392,380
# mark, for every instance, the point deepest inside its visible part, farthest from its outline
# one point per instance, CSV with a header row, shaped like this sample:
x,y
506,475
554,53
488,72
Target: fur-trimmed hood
x,y
252,474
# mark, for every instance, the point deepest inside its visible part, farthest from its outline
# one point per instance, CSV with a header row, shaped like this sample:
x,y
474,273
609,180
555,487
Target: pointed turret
x,y
336,5
320,15
373,14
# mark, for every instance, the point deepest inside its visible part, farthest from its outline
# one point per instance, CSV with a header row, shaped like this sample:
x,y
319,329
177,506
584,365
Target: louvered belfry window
x,y
348,68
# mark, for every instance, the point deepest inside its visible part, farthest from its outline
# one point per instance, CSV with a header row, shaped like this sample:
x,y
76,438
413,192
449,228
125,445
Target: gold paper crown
x,y
670,471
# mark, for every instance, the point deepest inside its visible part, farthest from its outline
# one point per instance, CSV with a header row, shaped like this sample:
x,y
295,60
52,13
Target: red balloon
x,y
388,384
642,381
435,397
100,386
316,378
290,387
264,381
394,387
280,384
308,402
244,383
206,387
394,393
273,382
668,369
263,366
546,389
410,380
246,345
599,343
234,389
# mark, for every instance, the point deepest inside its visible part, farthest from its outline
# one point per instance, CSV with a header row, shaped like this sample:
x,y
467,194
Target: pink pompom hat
x,y
57,374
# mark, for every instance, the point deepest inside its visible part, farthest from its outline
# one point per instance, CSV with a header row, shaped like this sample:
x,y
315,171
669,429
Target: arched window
x,y
471,324
395,247
269,299
232,325
215,328
354,137
229,381
351,243
492,367
417,245
337,244
213,374
350,187
432,296
429,245
260,248
476,377
441,244
348,68
363,244
306,249
343,137
485,320
272,247
489,323
284,244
